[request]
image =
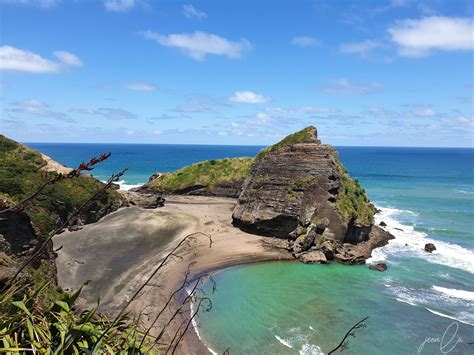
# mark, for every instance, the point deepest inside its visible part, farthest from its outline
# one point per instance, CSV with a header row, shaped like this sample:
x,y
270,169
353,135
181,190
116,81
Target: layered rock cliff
x,y
298,190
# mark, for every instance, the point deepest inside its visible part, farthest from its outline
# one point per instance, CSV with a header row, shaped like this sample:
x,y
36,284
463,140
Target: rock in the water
x,y
378,267
382,224
144,200
299,183
430,247
313,257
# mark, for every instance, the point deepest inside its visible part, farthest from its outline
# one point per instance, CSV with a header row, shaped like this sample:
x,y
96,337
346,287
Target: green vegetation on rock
x,y
20,176
352,202
306,135
208,173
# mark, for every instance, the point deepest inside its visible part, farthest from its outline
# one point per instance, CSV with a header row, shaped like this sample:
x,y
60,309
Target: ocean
x,y
423,303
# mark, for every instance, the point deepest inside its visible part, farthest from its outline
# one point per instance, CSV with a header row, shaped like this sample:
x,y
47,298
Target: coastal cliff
x,y
298,190
220,178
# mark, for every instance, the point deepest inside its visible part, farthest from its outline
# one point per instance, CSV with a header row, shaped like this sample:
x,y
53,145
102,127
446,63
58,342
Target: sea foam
x,y
452,292
412,242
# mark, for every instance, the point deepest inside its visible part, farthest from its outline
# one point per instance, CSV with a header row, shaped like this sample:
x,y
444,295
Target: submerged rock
x,y
378,267
297,187
430,247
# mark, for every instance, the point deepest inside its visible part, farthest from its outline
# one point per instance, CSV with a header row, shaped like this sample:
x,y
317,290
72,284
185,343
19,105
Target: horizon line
x,y
251,145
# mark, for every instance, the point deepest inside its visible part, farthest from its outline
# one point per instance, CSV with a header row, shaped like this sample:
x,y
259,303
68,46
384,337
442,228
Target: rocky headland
x,y
298,190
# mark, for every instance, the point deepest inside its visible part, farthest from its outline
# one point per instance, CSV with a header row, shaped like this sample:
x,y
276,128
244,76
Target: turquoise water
x,y
291,308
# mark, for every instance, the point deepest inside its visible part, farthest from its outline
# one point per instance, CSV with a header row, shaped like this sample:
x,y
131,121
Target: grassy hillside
x,y
209,173
20,176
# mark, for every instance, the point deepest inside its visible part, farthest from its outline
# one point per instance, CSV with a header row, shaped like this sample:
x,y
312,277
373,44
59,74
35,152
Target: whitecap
x,y
411,243
450,317
284,342
310,349
452,292
124,186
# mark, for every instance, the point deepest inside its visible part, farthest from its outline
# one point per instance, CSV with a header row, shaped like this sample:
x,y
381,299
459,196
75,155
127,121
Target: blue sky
x,y
389,73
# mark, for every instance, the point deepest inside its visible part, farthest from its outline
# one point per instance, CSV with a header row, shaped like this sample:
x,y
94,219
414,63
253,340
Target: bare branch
x,y
343,344
158,268
191,319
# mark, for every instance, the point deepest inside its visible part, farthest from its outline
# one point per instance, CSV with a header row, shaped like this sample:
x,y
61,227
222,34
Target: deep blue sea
x,y
423,303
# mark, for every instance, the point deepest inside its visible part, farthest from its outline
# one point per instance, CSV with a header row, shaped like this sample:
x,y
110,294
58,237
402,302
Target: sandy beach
x,y
121,250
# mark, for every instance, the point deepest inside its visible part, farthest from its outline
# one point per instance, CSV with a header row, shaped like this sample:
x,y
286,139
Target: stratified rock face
x,y
298,188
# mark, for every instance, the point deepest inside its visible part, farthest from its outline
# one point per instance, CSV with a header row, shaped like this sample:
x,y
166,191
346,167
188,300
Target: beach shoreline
x,y
123,248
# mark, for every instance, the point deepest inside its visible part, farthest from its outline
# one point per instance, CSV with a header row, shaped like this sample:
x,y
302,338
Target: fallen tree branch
x,y
343,344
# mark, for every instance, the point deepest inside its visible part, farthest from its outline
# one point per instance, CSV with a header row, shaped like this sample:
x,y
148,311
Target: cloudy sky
x,y
387,72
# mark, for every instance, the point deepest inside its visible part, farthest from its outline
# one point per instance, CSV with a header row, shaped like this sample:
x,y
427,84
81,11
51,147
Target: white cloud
x,y
422,111
199,44
344,87
305,41
119,5
38,3
249,97
12,58
15,59
68,58
381,112
199,103
416,38
36,108
299,111
361,48
140,86
190,11
109,113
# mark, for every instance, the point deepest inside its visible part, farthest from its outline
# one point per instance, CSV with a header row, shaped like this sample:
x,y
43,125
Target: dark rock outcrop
x,y
378,267
18,236
143,199
298,189
430,247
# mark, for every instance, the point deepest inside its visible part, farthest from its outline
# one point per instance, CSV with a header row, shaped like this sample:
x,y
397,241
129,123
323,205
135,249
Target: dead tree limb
x,y
155,271
343,344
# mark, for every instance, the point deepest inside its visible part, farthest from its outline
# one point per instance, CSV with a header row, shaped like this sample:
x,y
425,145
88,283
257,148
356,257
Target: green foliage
x,y
20,176
320,241
292,195
301,183
352,202
209,173
306,135
26,325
